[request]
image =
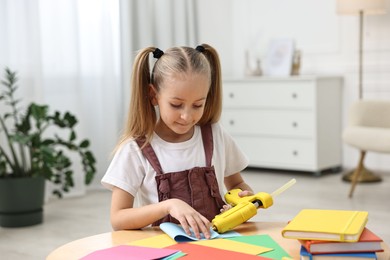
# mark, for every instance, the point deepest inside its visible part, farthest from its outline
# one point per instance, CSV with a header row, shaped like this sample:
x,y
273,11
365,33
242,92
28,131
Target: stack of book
x,y
333,234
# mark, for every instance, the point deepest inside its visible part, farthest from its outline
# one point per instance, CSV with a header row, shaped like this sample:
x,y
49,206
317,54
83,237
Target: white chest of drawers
x,y
286,123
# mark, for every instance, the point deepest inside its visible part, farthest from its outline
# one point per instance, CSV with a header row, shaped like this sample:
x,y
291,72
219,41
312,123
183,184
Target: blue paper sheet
x,y
177,233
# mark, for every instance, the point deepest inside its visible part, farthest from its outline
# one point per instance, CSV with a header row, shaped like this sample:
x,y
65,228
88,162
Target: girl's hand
x,y
189,218
241,194
245,193
226,207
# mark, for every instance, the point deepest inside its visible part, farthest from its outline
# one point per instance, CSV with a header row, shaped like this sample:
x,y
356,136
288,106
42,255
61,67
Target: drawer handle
x,y
231,95
294,95
295,153
295,124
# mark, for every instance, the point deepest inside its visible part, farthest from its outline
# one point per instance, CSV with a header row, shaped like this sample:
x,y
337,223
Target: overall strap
x,y
150,155
208,145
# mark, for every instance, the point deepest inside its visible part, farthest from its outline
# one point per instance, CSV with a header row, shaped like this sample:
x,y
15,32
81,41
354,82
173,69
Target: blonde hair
x,y
142,116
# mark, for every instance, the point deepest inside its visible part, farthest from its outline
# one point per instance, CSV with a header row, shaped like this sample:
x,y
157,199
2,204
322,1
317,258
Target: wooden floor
x,y
74,218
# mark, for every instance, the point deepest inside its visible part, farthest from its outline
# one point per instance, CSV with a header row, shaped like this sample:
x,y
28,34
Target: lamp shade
x,y
354,7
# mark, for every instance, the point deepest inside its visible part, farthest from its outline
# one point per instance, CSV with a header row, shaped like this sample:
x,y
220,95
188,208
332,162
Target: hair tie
x,y
200,48
157,53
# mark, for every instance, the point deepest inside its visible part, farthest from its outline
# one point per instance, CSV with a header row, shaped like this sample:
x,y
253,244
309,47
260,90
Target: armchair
x,y
368,130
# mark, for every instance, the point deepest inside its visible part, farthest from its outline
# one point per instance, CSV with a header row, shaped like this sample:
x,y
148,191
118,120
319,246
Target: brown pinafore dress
x,y
198,186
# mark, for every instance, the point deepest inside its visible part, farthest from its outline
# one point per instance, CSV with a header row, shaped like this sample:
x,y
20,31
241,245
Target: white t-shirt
x,y
132,172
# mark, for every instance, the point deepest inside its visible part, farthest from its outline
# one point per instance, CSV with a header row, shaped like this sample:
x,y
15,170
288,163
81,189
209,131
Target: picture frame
x,y
279,57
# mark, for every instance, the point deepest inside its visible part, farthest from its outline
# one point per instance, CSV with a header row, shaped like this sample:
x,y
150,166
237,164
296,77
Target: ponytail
x,y
141,115
213,107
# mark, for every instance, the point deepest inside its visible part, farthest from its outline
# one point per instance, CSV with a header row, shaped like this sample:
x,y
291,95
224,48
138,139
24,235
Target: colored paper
x,y
179,235
174,256
264,240
159,241
326,224
233,246
129,253
197,252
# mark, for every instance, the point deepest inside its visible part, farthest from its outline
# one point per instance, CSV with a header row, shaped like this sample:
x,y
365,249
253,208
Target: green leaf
x,y
70,119
47,142
89,177
47,151
35,140
39,112
72,136
90,157
24,125
57,193
20,138
84,143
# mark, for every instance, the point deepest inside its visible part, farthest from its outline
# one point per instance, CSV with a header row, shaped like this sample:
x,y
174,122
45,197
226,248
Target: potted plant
x,y
35,146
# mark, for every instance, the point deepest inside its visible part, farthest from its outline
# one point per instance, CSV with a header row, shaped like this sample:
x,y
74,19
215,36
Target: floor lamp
x,y
361,8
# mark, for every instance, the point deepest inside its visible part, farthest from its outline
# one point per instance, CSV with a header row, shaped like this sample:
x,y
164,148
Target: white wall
x,y
328,41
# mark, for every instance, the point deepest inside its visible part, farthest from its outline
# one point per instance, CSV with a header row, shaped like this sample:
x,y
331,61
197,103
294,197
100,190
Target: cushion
x,y
368,138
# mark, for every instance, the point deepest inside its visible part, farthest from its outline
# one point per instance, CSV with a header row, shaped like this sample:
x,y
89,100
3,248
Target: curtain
x,y
76,56
67,55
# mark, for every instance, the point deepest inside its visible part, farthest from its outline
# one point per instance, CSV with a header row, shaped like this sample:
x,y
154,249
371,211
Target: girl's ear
x,y
153,95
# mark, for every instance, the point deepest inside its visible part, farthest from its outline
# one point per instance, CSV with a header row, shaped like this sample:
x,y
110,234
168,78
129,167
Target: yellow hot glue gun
x,y
244,208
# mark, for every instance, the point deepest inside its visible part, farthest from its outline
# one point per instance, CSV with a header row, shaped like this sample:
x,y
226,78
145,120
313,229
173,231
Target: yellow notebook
x,y
325,224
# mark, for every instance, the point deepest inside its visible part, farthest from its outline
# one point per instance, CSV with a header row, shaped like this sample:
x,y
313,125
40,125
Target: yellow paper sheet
x,y
233,246
159,241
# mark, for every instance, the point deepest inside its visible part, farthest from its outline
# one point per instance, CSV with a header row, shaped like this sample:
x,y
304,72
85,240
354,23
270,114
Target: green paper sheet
x,y
265,241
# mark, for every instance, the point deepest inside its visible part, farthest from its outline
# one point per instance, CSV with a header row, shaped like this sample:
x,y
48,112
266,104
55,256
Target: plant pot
x,y
21,201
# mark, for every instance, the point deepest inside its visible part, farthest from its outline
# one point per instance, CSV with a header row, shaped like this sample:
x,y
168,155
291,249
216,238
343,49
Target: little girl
x,y
174,155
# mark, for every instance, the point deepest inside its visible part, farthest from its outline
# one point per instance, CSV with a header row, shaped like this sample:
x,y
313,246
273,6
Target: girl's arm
x,y
236,181
124,216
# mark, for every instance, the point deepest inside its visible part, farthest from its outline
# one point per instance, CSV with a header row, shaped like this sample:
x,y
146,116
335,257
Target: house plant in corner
x,y
35,146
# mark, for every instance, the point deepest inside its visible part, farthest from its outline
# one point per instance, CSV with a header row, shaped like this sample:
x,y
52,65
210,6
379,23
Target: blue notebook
x,y
177,233
358,256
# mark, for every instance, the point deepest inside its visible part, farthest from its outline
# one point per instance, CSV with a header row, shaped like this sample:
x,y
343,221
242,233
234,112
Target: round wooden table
x,y
81,247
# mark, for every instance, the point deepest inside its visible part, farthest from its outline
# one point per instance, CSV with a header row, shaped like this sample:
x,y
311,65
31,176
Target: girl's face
x,y
181,102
